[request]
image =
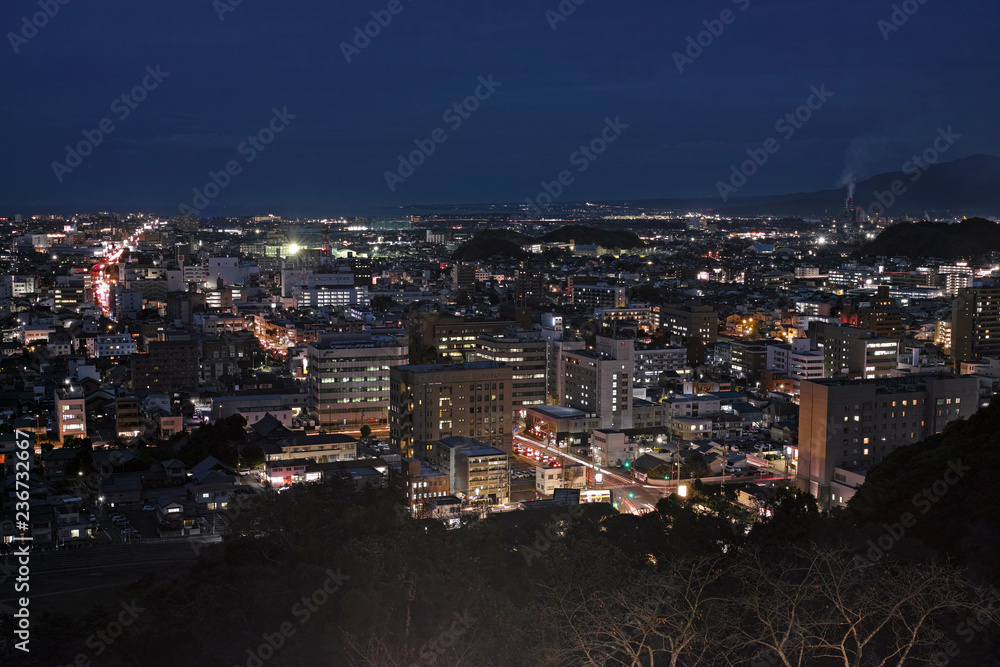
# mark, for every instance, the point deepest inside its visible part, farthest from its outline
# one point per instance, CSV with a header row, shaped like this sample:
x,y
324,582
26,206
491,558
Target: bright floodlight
x,y
293,248
682,491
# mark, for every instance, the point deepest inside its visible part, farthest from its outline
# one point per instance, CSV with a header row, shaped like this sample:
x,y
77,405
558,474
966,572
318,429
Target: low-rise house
x,y
549,478
285,472
321,448
71,527
177,518
58,462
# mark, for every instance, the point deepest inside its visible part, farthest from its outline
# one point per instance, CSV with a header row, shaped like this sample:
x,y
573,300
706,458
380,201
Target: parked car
x,y
148,508
130,531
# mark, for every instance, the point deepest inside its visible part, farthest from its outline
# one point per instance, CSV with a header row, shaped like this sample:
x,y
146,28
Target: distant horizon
x,y
385,211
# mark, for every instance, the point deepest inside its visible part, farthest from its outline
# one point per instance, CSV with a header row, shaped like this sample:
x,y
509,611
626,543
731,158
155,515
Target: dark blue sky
x,y
610,58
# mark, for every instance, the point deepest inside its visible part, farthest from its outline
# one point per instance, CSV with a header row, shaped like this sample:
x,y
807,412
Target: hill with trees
x,y
946,484
327,573
587,235
493,244
966,239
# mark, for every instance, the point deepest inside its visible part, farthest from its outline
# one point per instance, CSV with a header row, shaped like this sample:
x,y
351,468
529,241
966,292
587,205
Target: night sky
x,y
607,60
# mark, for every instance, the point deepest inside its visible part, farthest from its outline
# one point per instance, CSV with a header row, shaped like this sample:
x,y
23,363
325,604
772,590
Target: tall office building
x,y
975,324
880,314
854,424
435,401
600,381
591,293
529,284
348,378
689,321
453,339
525,352
956,277
853,352
168,366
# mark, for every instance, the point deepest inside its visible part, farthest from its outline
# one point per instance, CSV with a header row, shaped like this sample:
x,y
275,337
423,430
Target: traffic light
x,y
628,464
631,494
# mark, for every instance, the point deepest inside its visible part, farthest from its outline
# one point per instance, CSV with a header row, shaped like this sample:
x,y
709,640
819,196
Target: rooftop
x,y
558,412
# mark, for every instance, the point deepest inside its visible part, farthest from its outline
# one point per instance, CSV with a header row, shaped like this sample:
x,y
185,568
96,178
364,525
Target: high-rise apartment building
x,y
855,424
435,401
525,353
591,293
880,314
453,339
854,352
689,321
529,284
600,380
975,324
956,277
168,366
651,363
348,378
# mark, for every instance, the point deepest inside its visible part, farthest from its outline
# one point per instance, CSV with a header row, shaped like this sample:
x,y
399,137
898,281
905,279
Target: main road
x,y
630,495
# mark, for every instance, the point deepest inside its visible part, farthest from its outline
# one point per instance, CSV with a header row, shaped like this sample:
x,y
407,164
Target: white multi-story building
x,y
796,361
335,297
115,345
296,280
653,363
956,277
600,380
